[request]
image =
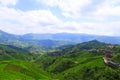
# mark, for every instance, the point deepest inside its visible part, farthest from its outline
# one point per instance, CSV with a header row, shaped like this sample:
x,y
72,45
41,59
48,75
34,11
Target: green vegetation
x,y
16,64
80,62
73,62
36,46
20,70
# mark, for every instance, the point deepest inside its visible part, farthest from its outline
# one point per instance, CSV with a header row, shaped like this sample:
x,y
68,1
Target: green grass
x,y
91,70
85,66
20,70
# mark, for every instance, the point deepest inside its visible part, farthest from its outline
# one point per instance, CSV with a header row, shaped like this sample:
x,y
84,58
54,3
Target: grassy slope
x,y
78,65
15,63
17,69
86,66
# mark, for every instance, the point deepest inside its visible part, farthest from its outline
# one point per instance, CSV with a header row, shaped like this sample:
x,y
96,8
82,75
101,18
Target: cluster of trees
x,y
77,62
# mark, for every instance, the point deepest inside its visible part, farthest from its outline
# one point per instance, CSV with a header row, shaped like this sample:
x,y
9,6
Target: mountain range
x,y
40,43
33,45
64,37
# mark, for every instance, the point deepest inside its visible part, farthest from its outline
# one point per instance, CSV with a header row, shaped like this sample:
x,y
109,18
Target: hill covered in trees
x,y
83,61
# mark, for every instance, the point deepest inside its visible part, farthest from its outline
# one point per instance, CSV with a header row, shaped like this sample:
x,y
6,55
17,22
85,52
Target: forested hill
x,y
81,62
8,52
93,45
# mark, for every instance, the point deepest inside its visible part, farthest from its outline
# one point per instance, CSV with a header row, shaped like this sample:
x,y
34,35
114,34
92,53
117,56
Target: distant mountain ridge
x,y
33,45
58,38
94,44
76,38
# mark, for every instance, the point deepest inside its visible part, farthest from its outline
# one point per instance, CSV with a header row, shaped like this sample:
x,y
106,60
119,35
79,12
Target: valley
x,y
59,39
28,59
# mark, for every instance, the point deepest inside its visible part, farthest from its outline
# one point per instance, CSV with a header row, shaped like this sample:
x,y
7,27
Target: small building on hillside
x,y
108,56
111,46
108,52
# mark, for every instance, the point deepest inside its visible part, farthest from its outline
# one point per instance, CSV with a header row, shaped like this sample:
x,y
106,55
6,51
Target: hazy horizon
x,y
56,16
60,33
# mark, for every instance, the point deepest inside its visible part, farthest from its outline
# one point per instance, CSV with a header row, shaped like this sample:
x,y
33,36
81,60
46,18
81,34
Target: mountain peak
x,y
96,41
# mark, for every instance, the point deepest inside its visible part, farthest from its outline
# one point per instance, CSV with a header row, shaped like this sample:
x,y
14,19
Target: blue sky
x,y
99,17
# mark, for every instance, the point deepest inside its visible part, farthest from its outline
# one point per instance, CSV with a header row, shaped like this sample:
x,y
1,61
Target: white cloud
x,y
18,20
106,28
8,2
75,8
69,8
107,9
44,21
51,3
28,17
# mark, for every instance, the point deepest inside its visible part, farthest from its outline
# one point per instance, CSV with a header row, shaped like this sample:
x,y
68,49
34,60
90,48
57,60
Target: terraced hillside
x,y
16,64
73,62
81,62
